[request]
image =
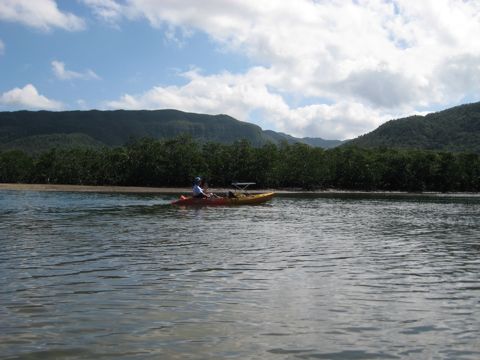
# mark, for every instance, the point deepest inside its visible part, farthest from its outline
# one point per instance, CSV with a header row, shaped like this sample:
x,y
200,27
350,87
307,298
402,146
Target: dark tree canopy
x,y
176,162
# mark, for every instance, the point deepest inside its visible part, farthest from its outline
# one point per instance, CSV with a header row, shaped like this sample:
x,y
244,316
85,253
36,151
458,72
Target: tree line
x,y
175,162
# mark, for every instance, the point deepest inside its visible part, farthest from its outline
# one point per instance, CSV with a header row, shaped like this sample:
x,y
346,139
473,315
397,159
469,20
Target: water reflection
x,y
112,276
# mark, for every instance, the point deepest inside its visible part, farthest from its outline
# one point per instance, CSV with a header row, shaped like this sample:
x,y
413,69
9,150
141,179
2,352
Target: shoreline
x,y
184,190
92,188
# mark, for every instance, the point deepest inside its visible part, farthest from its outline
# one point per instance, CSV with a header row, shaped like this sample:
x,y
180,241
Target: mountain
x,y
323,143
455,129
34,131
277,137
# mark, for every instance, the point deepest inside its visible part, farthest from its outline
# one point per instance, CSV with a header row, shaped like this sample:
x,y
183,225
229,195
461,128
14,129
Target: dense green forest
x,y
176,162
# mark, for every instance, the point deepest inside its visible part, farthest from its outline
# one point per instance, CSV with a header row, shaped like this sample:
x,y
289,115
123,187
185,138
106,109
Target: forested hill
x,y
277,137
38,131
454,129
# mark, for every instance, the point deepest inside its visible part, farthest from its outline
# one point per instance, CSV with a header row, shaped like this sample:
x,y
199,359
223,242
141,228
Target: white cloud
x,y
459,75
82,104
382,57
243,95
29,98
107,10
226,92
2,47
40,14
62,73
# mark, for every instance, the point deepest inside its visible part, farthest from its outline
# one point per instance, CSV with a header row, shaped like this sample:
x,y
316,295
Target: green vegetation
x,y
456,129
175,162
35,132
41,143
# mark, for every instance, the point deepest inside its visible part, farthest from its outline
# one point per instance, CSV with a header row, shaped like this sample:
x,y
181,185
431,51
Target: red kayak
x,y
239,199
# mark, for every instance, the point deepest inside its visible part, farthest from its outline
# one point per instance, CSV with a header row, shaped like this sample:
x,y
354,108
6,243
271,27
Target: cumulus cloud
x,y
233,94
460,75
107,10
380,88
62,73
29,98
243,95
382,57
40,14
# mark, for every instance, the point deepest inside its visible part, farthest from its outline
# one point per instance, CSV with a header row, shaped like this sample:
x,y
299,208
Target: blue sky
x,y
308,68
127,58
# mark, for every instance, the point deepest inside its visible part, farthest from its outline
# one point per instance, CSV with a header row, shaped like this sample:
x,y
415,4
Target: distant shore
x,y
90,188
184,190
108,189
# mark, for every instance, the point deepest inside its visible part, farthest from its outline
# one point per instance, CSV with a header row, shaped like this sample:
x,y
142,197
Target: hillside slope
x,y
23,129
117,127
454,129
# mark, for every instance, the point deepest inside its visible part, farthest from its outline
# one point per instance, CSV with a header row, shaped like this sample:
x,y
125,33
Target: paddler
x,y
198,192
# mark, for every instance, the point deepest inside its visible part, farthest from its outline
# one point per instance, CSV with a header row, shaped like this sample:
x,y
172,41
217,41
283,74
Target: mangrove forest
x,y
175,162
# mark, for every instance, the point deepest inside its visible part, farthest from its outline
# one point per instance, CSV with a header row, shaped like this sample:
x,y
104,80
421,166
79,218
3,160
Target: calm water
x,y
87,276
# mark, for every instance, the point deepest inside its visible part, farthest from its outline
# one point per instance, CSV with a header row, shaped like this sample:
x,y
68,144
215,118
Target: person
x,y
197,190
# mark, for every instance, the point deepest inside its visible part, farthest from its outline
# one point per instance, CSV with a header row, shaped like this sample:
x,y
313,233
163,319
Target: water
x,y
112,276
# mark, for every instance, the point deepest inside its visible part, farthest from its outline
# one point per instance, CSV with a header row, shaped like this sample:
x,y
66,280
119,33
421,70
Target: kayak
x,y
239,199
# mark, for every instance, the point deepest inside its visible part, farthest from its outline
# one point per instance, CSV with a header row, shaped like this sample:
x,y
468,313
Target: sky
x,y
334,69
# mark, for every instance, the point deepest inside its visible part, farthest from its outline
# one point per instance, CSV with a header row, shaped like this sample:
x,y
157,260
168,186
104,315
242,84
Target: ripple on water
x,y
112,276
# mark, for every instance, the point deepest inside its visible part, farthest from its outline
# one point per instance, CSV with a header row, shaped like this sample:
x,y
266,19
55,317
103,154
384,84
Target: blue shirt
x,y
197,190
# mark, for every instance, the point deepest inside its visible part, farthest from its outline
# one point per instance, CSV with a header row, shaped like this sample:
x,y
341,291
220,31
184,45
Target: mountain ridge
x,y
455,129
117,127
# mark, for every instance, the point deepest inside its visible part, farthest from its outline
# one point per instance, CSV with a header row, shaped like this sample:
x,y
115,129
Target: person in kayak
x,y
197,190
